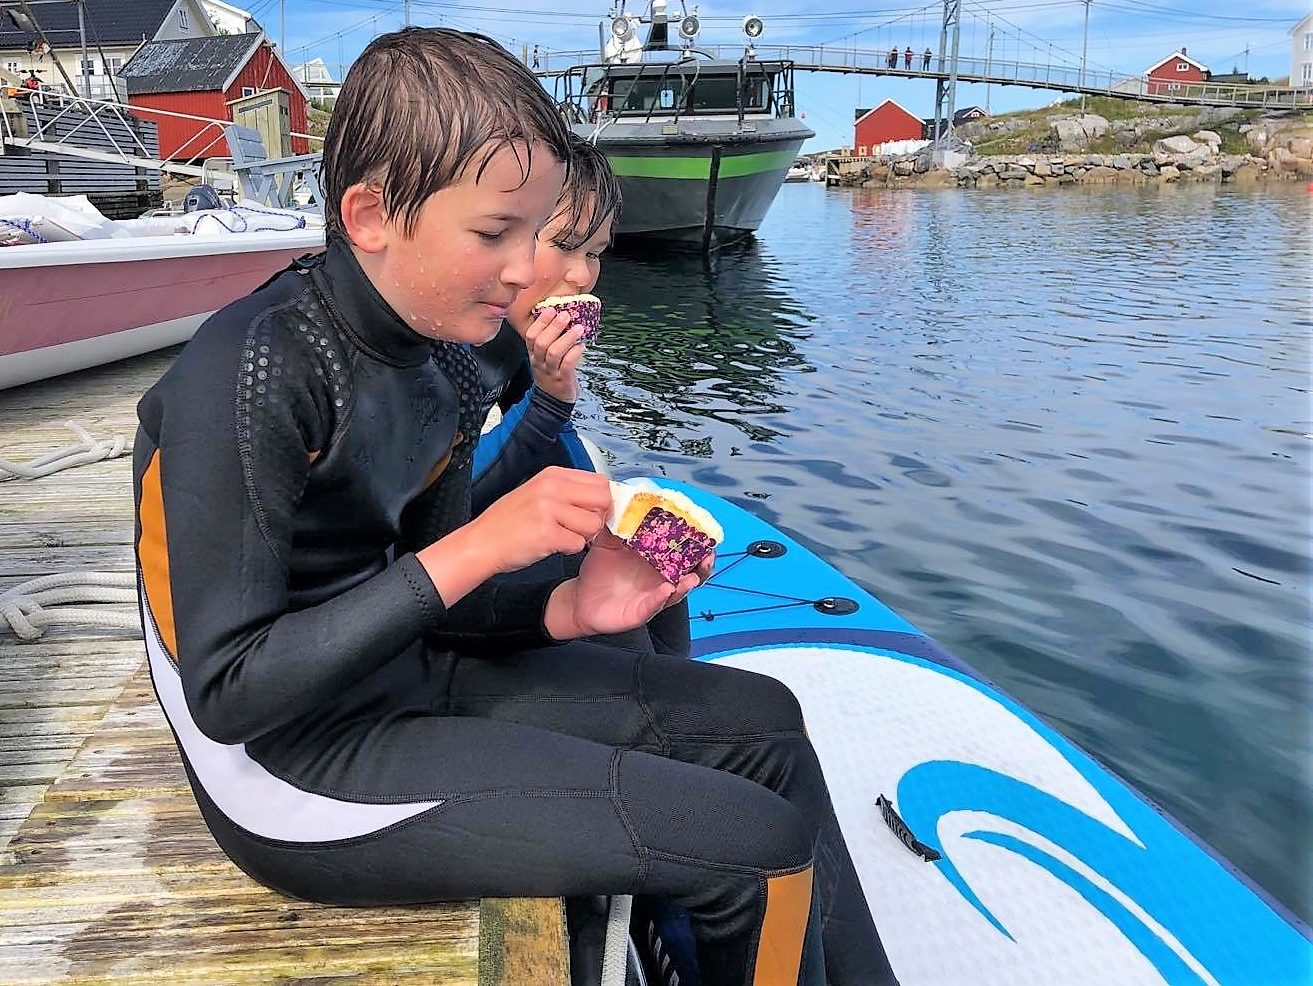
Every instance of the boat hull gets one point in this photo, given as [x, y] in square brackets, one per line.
[698, 191]
[68, 307]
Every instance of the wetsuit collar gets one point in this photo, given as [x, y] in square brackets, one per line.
[364, 313]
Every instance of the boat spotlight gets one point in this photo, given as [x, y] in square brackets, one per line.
[689, 27]
[622, 27]
[753, 26]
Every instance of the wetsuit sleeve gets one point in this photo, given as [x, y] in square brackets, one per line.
[495, 618]
[220, 467]
[518, 447]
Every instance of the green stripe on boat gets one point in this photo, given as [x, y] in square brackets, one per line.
[735, 166]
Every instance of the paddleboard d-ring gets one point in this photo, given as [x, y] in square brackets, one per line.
[837, 606]
[766, 549]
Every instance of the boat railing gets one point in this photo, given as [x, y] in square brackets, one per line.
[602, 92]
[113, 121]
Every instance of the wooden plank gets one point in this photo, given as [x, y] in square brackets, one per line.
[114, 878]
[522, 940]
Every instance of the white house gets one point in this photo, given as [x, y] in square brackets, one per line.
[119, 27]
[316, 71]
[1301, 53]
[228, 19]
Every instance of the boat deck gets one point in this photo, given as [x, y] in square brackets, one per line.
[107, 873]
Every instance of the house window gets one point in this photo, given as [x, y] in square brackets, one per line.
[248, 91]
[1173, 86]
[1308, 41]
[13, 68]
[112, 65]
[1182, 66]
[1307, 72]
[861, 151]
[182, 18]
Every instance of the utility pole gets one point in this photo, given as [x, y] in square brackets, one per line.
[1084, 49]
[989, 65]
[1247, 64]
[282, 28]
[86, 65]
[407, 13]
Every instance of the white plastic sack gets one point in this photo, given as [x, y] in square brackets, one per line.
[28, 218]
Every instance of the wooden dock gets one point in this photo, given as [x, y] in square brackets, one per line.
[107, 873]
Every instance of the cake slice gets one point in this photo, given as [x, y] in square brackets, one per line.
[583, 309]
[667, 529]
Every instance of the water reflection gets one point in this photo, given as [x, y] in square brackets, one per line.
[1064, 433]
[687, 339]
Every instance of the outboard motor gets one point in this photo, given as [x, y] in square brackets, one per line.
[201, 197]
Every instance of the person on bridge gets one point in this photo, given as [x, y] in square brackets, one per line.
[892, 60]
[908, 55]
[32, 82]
[925, 61]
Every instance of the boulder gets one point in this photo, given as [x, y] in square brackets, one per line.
[1031, 180]
[1169, 173]
[1301, 147]
[1179, 144]
[1207, 172]
[1073, 133]
[1099, 175]
[1043, 169]
[987, 180]
[1245, 174]
[1122, 162]
[1210, 137]
[903, 167]
[1016, 174]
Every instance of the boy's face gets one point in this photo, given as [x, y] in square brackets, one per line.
[557, 271]
[472, 252]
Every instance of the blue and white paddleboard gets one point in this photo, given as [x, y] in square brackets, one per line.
[1050, 871]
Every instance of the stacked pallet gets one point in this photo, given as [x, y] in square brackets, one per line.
[120, 191]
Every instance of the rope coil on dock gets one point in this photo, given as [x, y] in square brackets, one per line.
[23, 607]
[84, 452]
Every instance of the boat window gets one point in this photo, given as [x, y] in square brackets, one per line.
[717, 94]
[642, 95]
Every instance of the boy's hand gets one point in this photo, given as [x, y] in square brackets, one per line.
[616, 590]
[555, 348]
[557, 511]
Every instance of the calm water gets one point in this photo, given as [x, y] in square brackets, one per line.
[1066, 434]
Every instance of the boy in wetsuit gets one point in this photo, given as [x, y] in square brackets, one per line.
[364, 717]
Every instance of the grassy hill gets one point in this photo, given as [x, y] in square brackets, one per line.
[1135, 126]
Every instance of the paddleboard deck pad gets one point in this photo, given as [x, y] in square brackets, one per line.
[991, 849]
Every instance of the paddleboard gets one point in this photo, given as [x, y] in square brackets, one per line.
[991, 849]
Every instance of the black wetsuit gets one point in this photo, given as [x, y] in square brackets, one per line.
[352, 740]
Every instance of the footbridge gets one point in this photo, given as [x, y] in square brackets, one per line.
[1055, 75]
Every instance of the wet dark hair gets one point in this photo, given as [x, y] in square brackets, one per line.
[415, 110]
[590, 182]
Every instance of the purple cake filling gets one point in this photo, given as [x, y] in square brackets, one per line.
[670, 544]
[587, 314]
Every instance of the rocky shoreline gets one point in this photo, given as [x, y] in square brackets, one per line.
[1275, 154]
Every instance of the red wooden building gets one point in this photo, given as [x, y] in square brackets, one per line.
[886, 122]
[1177, 69]
[200, 77]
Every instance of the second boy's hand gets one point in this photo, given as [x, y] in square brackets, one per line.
[555, 347]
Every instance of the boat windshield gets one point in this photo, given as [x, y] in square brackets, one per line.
[715, 94]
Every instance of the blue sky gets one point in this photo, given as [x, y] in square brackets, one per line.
[1124, 35]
